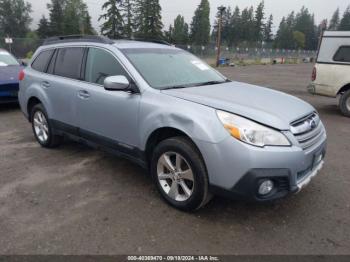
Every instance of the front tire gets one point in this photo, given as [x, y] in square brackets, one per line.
[180, 175]
[344, 103]
[42, 129]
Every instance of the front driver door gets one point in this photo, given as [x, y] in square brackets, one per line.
[107, 117]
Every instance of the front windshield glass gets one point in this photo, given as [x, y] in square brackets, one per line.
[6, 59]
[171, 68]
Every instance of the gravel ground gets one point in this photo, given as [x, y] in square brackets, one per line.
[74, 200]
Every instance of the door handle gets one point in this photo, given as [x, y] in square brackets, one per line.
[45, 84]
[83, 94]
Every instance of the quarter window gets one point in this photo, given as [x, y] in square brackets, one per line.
[69, 62]
[343, 54]
[101, 64]
[42, 60]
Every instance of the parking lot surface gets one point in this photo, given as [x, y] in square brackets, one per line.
[75, 200]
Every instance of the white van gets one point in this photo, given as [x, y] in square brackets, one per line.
[331, 74]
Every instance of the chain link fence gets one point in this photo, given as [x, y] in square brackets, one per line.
[250, 55]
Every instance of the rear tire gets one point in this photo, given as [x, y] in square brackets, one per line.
[344, 103]
[180, 175]
[42, 129]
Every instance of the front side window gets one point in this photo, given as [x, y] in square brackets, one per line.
[6, 59]
[69, 62]
[165, 68]
[42, 60]
[100, 64]
[343, 54]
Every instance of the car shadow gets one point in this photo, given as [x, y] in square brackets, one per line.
[9, 107]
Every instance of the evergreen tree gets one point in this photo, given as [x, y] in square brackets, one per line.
[247, 25]
[334, 23]
[127, 10]
[305, 23]
[56, 15]
[148, 19]
[43, 30]
[200, 26]
[76, 18]
[14, 18]
[345, 21]
[259, 22]
[113, 27]
[268, 30]
[235, 31]
[179, 33]
[285, 38]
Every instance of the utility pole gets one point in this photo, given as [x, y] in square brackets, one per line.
[218, 42]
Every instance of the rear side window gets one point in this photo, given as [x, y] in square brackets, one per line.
[69, 62]
[343, 54]
[101, 64]
[41, 62]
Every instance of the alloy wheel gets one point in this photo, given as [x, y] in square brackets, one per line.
[175, 176]
[41, 127]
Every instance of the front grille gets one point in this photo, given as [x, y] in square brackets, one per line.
[308, 131]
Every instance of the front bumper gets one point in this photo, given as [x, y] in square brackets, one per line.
[236, 169]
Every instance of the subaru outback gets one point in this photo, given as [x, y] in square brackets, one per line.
[198, 133]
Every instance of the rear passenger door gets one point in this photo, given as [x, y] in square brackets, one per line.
[107, 117]
[63, 86]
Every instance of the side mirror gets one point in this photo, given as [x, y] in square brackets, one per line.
[116, 83]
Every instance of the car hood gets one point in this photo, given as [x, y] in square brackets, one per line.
[263, 105]
[9, 74]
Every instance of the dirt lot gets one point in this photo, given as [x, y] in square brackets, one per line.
[74, 200]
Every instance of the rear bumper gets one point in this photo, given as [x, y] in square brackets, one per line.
[9, 93]
[321, 90]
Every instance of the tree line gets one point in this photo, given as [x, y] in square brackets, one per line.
[143, 19]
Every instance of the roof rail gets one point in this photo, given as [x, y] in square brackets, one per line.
[77, 38]
[156, 41]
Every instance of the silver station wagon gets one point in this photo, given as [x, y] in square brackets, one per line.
[198, 133]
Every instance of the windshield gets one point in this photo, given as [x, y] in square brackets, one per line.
[6, 59]
[171, 68]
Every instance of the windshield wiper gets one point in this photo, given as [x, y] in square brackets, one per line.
[213, 83]
[174, 87]
[199, 84]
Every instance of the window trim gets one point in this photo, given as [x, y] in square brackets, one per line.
[47, 63]
[87, 46]
[81, 64]
[116, 58]
[336, 53]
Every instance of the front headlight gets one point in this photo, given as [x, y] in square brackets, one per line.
[251, 132]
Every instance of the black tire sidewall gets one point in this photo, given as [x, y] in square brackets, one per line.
[187, 150]
[342, 104]
[36, 108]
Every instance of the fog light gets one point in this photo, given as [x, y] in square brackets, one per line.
[266, 187]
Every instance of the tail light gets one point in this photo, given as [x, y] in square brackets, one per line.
[21, 75]
[314, 74]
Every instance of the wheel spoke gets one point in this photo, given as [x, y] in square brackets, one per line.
[40, 116]
[178, 162]
[185, 188]
[166, 162]
[187, 175]
[36, 122]
[165, 176]
[174, 191]
[46, 129]
[44, 135]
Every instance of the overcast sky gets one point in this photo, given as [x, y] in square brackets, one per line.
[171, 8]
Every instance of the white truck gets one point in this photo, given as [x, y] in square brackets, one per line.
[331, 74]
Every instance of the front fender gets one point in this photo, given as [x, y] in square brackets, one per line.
[199, 122]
